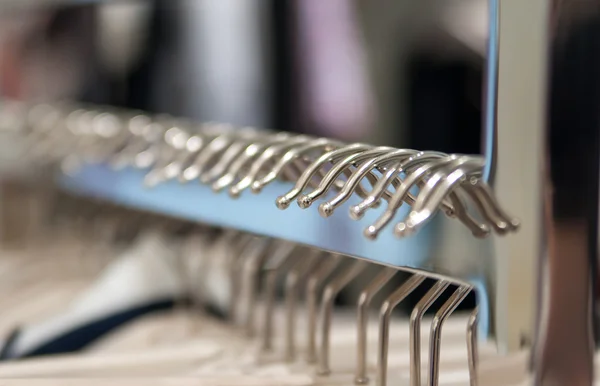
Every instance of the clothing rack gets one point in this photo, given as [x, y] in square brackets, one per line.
[230, 159]
[523, 124]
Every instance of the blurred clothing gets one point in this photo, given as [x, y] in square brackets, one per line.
[335, 97]
[377, 72]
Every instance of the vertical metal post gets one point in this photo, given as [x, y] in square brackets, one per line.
[548, 169]
[564, 349]
[521, 61]
[490, 95]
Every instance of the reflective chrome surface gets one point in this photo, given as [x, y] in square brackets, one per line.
[549, 94]
[564, 350]
[468, 259]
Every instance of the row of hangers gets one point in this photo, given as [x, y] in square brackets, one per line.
[247, 272]
[239, 159]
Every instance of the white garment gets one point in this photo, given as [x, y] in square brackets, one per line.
[141, 275]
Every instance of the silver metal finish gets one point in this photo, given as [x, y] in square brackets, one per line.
[399, 196]
[225, 160]
[217, 145]
[275, 265]
[263, 159]
[165, 168]
[329, 294]
[175, 166]
[293, 283]
[326, 209]
[436, 188]
[364, 300]
[284, 201]
[243, 159]
[415, 329]
[472, 353]
[547, 168]
[567, 324]
[435, 338]
[249, 252]
[315, 281]
[315, 166]
[228, 161]
[290, 156]
[241, 241]
[251, 271]
[514, 159]
[305, 201]
[488, 206]
[384, 324]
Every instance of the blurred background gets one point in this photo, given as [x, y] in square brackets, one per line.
[403, 73]
[400, 73]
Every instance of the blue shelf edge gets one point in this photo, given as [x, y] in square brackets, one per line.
[257, 213]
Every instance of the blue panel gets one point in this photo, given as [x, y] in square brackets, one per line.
[258, 214]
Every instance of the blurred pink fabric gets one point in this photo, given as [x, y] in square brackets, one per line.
[334, 89]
